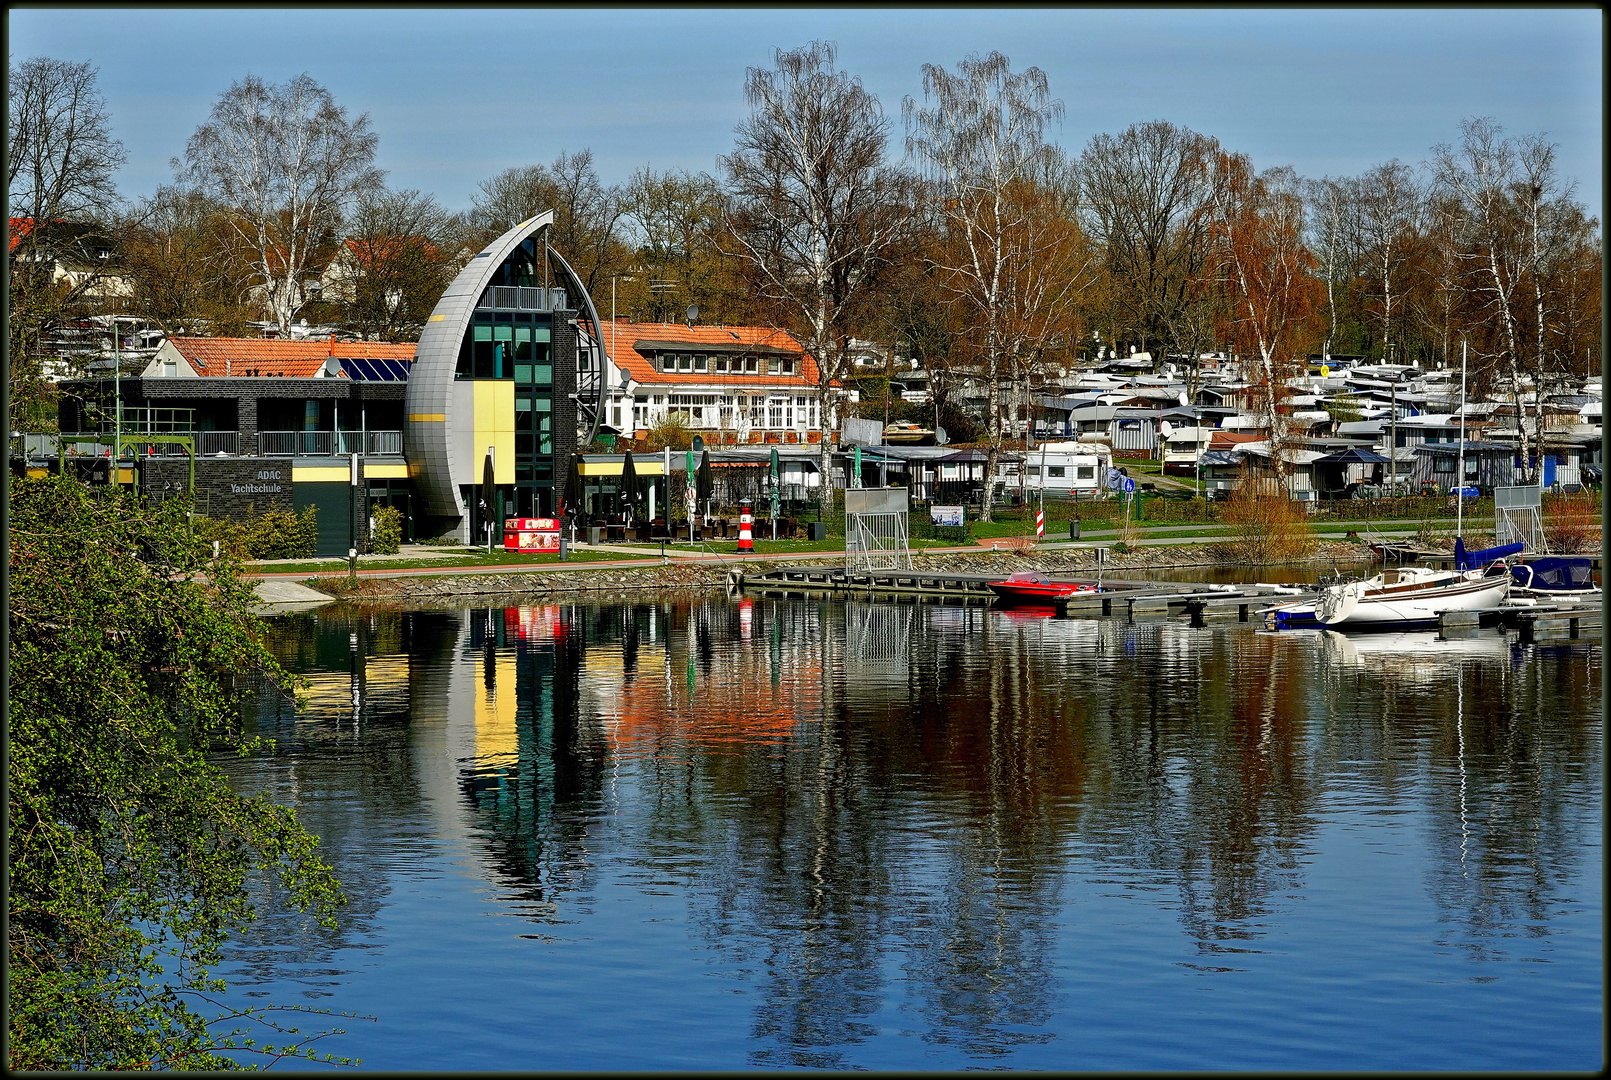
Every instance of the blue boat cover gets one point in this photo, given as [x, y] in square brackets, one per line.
[1476, 560]
[1556, 572]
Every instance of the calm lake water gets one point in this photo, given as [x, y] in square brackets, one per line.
[819, 834]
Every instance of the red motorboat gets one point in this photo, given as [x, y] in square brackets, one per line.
[1033, 587]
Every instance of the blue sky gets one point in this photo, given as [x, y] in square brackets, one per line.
[457, 96]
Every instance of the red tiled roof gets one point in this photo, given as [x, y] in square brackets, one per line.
[621, 339]
[17, 228]
[214, 357]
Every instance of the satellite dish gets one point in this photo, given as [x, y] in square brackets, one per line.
[693, 313]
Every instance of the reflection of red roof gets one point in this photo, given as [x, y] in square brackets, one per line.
[632, 346]
[213, 357]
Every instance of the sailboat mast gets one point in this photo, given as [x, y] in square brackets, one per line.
[1460, 469]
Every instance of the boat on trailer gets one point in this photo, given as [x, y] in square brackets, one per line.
[1033, 587]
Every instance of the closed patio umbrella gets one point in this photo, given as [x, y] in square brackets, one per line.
[629, 488]
[705, 484]
[573, 487]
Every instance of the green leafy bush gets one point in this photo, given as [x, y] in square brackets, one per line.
[273, 534]
[280, 534]
[386, 532]
[131, 858]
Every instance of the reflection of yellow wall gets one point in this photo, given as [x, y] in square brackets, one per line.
[495, 427]
[495, 711]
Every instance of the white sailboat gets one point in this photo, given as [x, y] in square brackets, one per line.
[1418, 595]
[1409, 596]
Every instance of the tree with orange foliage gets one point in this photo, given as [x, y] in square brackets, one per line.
[1269, 271]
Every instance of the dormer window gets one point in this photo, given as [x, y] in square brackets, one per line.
[786, 366]
[721, 365]
[699, 362]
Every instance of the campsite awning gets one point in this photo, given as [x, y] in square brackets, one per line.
[1352, 456]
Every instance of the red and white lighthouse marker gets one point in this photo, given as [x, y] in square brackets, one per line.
[745, 541]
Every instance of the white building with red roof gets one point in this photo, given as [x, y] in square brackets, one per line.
[733, 384]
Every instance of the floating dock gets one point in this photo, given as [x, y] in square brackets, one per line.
[1121, 598]
[1535, 623]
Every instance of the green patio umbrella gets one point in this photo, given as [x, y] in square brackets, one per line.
[776, 493]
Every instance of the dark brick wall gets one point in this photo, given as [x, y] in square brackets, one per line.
[225, 487]
[236, 488]
[563, 350]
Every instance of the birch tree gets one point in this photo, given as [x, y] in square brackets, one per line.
[287, 161]
[811, 206]
[1332, 240]
[1478, 177]
[1387, 209]
[1011, 258]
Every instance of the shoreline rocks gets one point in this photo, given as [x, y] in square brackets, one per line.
[705, 577]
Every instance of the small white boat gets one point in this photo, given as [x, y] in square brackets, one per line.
[1409, 596]
[908, 433]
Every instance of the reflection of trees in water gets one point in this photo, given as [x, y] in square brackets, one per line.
[851, 789]
[532, 807]
[346, 771]
[1502, 744]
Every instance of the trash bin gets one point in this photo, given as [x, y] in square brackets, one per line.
[817, 530]
[595, 534]
[1073, 530]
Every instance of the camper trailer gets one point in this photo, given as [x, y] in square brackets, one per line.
[1066, 468]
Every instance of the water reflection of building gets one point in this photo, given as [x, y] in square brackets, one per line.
[709, 673]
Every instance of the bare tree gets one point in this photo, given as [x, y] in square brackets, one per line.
[812, 209]
[1332, 240]
[396, 260]
[1146, 198]
[1478, 176]
[673, 219]
[287, 161]
[1386, 219]
[60, 154]
[60, 159]
[185, 263]
[1011, 253]
[586, 213]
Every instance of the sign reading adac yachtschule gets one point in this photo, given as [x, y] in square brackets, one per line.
[237, 487]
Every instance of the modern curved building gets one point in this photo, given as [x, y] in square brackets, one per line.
[498, 372]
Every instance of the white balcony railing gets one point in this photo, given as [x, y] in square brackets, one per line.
[328, 443]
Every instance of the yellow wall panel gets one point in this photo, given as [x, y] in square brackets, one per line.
[495, 427]
[320, 474]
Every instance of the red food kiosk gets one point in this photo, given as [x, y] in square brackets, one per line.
[531, 534]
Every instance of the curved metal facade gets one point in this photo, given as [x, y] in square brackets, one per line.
[439, 416]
